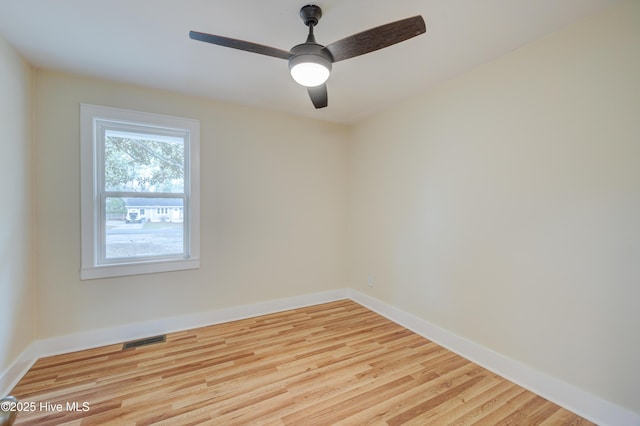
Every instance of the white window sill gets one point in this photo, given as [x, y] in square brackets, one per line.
[119, 270]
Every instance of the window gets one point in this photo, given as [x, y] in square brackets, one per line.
[139, 192]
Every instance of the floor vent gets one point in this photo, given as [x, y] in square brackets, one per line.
[144, 342]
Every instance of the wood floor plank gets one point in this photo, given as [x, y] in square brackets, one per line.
[511, 406]
[453, 408]
[484, 403]
[335, 363]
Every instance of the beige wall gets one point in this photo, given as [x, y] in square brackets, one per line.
[273, 209]
[504, 205]
[16, 295]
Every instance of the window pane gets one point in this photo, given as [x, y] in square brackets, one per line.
[144, 227]
[143, 163]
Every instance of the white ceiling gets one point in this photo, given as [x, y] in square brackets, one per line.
[146, 42]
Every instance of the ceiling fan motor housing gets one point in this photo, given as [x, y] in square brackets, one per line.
[310, 53]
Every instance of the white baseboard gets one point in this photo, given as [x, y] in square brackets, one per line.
[108, 336]
[566, 395]
[114, 335]
[584, 404]
[12, 375]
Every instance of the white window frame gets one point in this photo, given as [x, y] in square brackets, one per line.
[92, 117]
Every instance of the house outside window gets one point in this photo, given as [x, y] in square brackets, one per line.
[139, 192]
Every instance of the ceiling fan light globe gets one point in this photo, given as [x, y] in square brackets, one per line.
[310, 74]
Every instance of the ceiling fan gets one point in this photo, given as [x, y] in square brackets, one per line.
[310, 62]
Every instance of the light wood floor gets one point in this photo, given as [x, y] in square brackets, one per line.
[336, 363]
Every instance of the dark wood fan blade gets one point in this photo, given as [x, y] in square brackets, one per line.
[376, 38]
[318, 96]
[239, 44]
